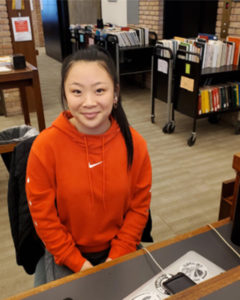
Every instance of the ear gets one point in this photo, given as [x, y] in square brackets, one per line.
[117, 91]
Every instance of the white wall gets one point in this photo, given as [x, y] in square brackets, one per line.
[115, 12]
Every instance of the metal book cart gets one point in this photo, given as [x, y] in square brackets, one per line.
[162, 83]
[131, 59]
[189, 77]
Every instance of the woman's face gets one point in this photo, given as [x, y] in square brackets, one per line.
[89, 92]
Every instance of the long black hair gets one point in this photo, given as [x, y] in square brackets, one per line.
[98, 54]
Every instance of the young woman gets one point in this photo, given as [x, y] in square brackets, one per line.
[89, 175]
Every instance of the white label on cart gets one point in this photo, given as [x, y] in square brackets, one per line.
[187, 83]
[162, 66]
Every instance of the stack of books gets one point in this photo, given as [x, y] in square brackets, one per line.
[129, 36]
[218, 97]
[214, 53]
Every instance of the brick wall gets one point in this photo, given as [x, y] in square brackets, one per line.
[234, 24]
[151, 15]
[5, 37]
[37, 24]
[12, 102]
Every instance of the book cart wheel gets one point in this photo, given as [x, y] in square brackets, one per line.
[169, 128]
[191, 141]
[152, 119]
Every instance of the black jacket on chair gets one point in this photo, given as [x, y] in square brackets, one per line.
[28, 246]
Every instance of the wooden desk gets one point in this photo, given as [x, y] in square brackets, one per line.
[22, 79]
[230, 190]
[195, 292]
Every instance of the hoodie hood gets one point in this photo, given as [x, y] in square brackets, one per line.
[94, 142]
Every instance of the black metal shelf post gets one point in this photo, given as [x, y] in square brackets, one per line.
[162, 83]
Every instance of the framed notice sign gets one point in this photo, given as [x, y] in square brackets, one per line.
[21, 29]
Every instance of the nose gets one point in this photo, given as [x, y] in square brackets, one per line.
[89, 99]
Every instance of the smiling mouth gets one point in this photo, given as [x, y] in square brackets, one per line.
[91, 115]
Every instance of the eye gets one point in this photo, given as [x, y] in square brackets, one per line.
[76, 91]
[100, 91]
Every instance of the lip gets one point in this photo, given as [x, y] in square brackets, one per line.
[90, 115]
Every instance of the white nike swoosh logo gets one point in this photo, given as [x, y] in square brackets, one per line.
[94, 165]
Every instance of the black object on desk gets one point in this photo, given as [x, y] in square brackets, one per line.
[19, 61]
[178, 283]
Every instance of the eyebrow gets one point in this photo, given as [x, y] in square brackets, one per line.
[81, 85]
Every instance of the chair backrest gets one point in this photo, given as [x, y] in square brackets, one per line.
[28, 246]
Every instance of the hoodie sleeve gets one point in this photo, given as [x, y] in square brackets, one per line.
[129, 236]
[40, 190]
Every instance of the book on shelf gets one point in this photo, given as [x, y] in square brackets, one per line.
[199, 103]
[234, 92]
[142, 34]
[238, 93]
[223, 55]
[215, 98]
[217, 52]
[132, 35]
[214, 53]
[236, 40]
[208, 36]
[218, 97]
[171, 44]
[230, 52]
[179, 38]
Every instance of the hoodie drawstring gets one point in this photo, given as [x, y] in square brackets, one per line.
[90, 177]
[103, 169]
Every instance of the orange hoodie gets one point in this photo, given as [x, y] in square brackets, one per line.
[99, 203]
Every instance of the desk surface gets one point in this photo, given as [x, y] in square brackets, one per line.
[13, 75]
[120, 277]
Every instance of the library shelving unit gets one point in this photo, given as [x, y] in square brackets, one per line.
[189, 77]
[131, 59]
[162, 83]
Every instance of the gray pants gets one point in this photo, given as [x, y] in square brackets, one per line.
[47, 270]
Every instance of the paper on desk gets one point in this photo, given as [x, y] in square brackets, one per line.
[4, 69]
[194, 265]
[5, 59]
